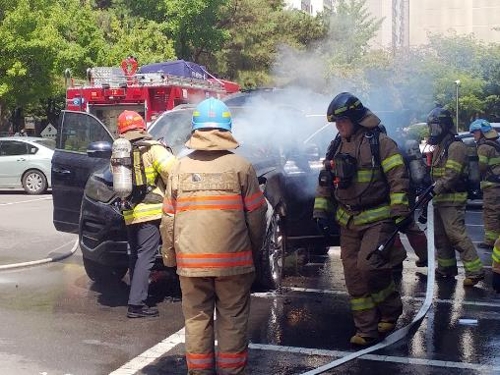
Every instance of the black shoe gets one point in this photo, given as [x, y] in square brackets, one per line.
[483, 245]
[142, 312]
[397, 268]
[421, 263]
[448, 274]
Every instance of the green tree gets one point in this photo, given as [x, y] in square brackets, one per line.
[259, 31]
[195, 26]
[29, 51]
[151, 10]
[351, 27]
[124, 36]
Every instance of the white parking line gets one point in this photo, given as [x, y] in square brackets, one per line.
[163, 347]
[150, 355]
[26, 201]
[380, 358]
[405, 298]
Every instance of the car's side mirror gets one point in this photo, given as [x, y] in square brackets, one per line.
[99, 149]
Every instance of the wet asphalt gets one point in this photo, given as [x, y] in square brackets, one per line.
[308, 324]
[80, 329]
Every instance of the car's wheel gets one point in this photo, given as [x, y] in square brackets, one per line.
[269, 267]
[101, 273]
[34, 182]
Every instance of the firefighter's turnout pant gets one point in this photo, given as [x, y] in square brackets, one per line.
[450, 235]
[144, 240]
[373, 294]
[491, 214]
[495, 256]
[229, 297]
[417, 239]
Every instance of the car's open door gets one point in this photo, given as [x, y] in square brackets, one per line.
[72, 165]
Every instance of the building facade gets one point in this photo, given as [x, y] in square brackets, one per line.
[480, 17]
[312, 7]
[409, 22]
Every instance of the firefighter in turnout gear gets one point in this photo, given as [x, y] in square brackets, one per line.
[419, 178]
[212, 228]
[488, 151]
[449, 171]
[364, 185]
[143, 211]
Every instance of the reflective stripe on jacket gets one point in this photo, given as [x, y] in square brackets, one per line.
[214, 214]
[449, 171]
[376, 192]
[489, 163]
[158, 162]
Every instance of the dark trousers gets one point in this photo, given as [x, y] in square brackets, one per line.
[144, 240]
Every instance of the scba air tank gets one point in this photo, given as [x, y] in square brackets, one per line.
[474, 178]
[121, 167]
[416, 163]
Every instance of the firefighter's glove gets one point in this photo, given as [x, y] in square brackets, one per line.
[426, 195]
[403, 222]
[422, 218]
[323, 225]
[495, 282]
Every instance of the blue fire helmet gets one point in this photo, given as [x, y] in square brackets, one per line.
[211, 113]
[480, 124]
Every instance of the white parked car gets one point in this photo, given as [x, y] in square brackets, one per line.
[25, 163]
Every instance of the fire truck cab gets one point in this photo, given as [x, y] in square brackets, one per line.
[149, 90]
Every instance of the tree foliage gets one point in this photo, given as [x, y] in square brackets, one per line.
[195, 27]
[255, 42]
[29, 50]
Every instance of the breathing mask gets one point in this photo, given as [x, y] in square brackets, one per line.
[436, 133]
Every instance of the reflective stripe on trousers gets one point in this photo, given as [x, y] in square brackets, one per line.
[229, 297]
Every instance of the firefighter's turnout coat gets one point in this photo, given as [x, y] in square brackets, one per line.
[214, 209]
[449, 169]
[366, 211]
[489, 170]
[213, 225]
[143, 218]
[158, 162]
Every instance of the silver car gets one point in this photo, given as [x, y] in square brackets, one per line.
[25, 163]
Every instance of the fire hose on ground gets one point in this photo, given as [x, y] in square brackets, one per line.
[404, 331]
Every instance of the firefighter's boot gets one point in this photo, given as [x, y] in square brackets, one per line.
[385, 327]
[473, 280]
[359, 340]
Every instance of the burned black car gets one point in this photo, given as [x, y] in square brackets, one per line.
[283, 144]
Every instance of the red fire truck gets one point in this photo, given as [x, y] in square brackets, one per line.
[149, 89]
